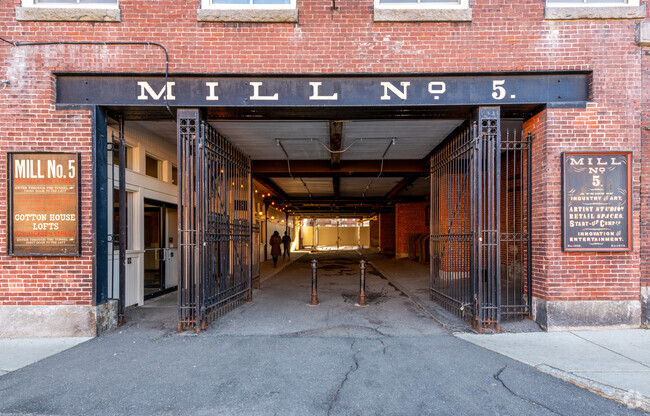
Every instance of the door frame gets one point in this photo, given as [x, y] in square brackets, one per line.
[162, 206]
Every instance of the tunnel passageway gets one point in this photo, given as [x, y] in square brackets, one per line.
[281, 307]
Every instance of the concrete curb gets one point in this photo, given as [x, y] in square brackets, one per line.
[630, 398]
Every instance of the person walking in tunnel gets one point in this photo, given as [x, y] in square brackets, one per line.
[286, 242]
[275, 242]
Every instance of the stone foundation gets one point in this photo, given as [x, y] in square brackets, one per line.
[57, 320]
[645, 306]
[563, 315]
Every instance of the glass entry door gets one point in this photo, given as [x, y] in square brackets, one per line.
[154, 270]
[160, 248]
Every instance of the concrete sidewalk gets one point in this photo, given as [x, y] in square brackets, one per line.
[21, 352]
[613, 363]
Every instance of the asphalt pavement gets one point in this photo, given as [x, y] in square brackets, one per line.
[279, 356]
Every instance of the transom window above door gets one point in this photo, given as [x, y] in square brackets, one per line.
[421, 4]
[248, 4]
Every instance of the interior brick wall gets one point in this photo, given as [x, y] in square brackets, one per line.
[410, 218]
[504, 35]
[387, 232]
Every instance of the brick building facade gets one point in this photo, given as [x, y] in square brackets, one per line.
[610, 44]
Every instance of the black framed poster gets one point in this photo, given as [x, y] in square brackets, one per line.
[43, 204]
[596, 201]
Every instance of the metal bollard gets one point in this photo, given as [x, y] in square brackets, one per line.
[314, 283]
[362, 284]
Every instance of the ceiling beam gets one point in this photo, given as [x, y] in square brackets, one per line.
[336, 183]
[336, 139]
[352, 168]
[274, 187]
[403, 184]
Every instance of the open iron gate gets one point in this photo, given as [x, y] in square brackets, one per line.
[480, 222]
[215, 219]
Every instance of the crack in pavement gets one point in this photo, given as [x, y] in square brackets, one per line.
[354, 367]
[497, 377]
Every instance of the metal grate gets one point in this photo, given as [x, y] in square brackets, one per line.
[215, 227]
[480, 217]
[515, 225]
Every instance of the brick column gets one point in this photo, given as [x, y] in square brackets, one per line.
[579, 289]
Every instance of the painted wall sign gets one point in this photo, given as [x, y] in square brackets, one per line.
[347, 91]
[43, 204]
[597, 201]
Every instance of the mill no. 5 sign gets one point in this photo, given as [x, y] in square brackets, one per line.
[43, 204]
[597, 196]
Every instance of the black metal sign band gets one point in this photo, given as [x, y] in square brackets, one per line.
[597, 197]
[565, 89]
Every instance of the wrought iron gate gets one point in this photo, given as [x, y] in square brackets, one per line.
[215, 220]
[480, 222]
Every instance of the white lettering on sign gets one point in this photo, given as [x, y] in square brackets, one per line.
[211, 96]
[146, 91]
[256, 93]
[399, 93]
[20, 170]
[315, 96]
[33, 169]
[437, 88]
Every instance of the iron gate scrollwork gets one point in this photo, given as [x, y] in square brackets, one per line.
[480, 222]
[216, 261]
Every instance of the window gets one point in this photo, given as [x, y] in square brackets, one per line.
[593, 9]
[71, 3]
[174, 175]
[152, 167]
[104, 11]
[249, 4]
[582, 3]
[421, 4]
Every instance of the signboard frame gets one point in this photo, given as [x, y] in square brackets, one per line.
[11, 208]
[629, 201]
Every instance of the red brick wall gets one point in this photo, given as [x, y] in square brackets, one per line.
[409, 219]
[645, 157]
[577, 276]
[504, 36]
[387, 233]
[374, 233]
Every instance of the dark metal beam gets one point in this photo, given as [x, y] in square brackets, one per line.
[336, 183]
[401, 186]
[347, 200]
[273, 186]
[336, 138]
[352, 168]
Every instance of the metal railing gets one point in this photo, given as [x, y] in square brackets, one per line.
[480, 222]
[215, 223]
